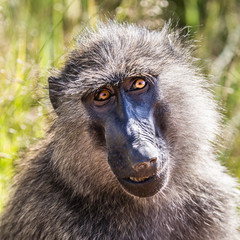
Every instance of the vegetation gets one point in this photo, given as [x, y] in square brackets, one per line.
[33, 37]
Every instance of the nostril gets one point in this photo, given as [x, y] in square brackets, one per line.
[141, 166]
[153, 161]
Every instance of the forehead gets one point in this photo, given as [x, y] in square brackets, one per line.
[117, 45]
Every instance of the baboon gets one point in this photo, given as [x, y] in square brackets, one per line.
[132, 152]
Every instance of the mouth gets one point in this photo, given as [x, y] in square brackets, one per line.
[144, 186]
[139, 180]
[145, 183]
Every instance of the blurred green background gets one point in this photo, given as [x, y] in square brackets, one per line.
[35, 34]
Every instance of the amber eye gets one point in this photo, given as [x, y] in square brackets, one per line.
[102, 95]
[138, 84]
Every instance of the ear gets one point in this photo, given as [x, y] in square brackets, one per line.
[55, 91]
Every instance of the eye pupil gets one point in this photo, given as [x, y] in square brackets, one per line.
[103, 95]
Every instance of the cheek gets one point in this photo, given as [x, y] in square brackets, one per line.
[97, 133]
[83, 164]
[161, 115]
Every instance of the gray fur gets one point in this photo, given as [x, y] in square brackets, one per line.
[67, 190]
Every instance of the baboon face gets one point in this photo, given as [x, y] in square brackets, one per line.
[125, 113]
[139, 100]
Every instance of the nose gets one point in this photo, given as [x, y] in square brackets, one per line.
[143, 158]
[146, 165]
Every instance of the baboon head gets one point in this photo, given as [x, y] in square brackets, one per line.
[129, 98]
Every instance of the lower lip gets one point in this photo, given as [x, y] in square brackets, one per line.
[146, 188]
